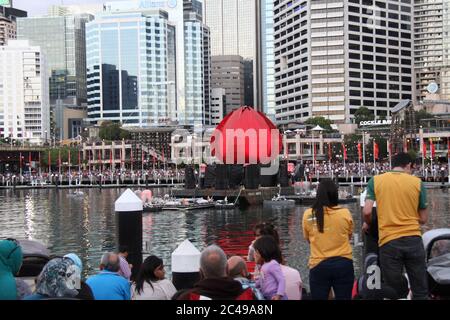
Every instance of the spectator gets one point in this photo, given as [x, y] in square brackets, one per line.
[237, 269]
[328, 228]
[125, 267]
[271, 281]
[150, 283]
[85, 292]
[402, 207]
[10, 263]
[370, 233]
[262, 229]
[294, 284]
[60, 279]
[215, 284]
[108, 284]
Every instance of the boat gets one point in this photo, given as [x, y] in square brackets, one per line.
[279, 201]
[187, 204]
[224, 204]
[152, 207]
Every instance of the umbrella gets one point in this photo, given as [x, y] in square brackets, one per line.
[246, 136]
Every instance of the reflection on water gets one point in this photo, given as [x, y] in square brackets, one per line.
[86, 225]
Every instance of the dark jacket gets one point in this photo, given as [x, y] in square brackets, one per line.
[217, 289]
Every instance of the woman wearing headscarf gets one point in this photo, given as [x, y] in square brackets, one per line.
[60, 279]
[10, 262]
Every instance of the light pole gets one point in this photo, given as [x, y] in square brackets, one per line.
[318, 129]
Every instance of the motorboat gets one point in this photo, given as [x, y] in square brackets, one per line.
[279, 201]
[224, 204]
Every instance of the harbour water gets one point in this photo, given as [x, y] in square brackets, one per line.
[86, 225]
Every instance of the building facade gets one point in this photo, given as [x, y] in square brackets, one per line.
[130, 68]
[235, 31]
[198, 70]
[63, 41]
[332, 57]
[428, 44]
[218, 105]
[8, 28]
[227, 72]
[24, 93]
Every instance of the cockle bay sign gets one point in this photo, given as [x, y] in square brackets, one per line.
[375, 123]
[140, 4]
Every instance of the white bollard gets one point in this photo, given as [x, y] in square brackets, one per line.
[185, 266]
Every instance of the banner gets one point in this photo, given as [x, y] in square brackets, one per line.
[345, 151]
[433, 151]
[329, 151]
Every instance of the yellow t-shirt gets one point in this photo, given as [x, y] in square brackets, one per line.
[399, 196]
[335, 239]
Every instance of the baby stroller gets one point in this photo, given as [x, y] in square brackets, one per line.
[35, 257]
[437, 248]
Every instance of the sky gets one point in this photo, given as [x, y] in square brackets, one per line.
[40, 7]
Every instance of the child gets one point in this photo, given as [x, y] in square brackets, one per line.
[271, 281]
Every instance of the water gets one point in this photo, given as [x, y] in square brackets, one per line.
[86, 226]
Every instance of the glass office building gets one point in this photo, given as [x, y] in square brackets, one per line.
[131, 68]
[197, 71]
[267, 58]
[62, 40]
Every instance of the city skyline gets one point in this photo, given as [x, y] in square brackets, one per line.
[37, 8]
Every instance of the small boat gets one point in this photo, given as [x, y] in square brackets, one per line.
[279, 201]
[188, 204]
[224, 204]
[152, 207]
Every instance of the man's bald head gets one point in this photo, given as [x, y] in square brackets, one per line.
[237, 267]
[213, 262]
[110, 262]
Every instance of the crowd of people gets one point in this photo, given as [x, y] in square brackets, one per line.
[95, 176]
[393, 209]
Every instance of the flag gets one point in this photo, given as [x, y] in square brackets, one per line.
[329, 151]
[131, 155]
[359, 151]
[99, 156]
[376, 151]
[424, 149]
[143, 156]
[448, 148]
[111, 157]
[29, 159]
[79, 158]
[433, 151]
[49, 159]
[20, 160]
[345, 151]
[162, 155]
[68, 157]
[39, 159]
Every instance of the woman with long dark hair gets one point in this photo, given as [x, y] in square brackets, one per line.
[151, 283]
[328, 228]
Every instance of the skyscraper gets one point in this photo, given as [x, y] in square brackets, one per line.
[228, 73]
[63, 41]
[431, 46]
[130, 68]
[234, 31]
[24, 99]
[332, 57]
[8, 18]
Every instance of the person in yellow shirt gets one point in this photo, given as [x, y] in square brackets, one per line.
[328, 228]
[402, 207]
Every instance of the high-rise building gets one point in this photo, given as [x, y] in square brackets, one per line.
[193, 6]
[227, 72]
[63, 41]
[8, 28]
[334, 56]
[67, 10]
[234, 31]
[131, 68]
[266, 59]
[197, 69]
[432, 48]
[24, 98]
[175, 17]
[173, 84]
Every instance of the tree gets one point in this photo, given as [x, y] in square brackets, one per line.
[363, 114]
[111, 131]
[320, 121]
[421, 115]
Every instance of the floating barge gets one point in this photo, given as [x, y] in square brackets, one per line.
[249, 197]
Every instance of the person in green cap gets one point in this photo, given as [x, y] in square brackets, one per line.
[11, 258]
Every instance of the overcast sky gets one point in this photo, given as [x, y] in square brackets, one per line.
[40, 7]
